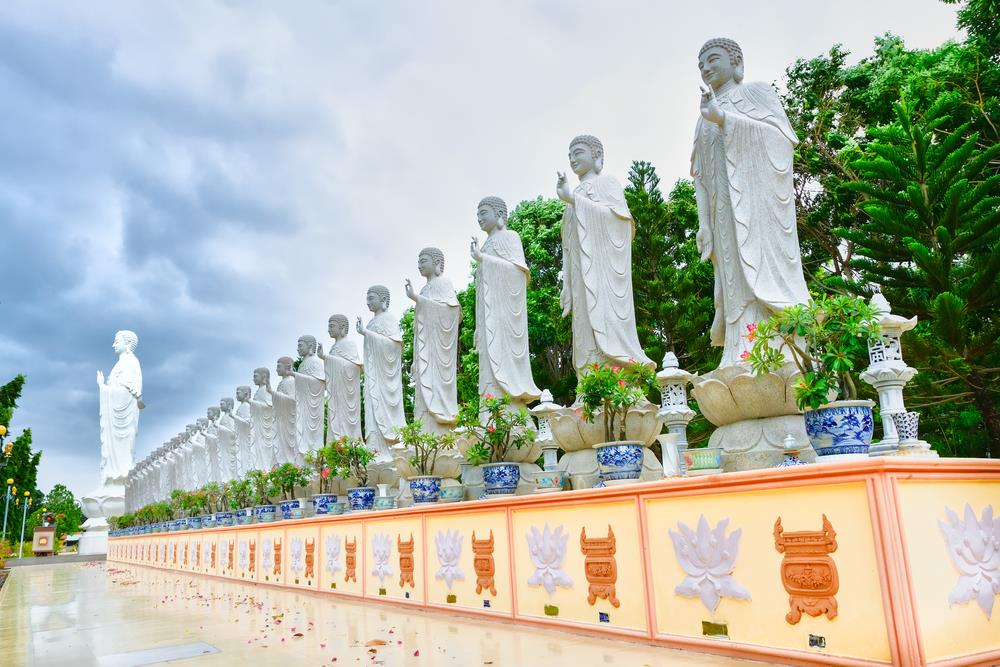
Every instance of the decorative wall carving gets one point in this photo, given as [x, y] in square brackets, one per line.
[600, 566]
[483, 562]
[449, 550]
[381, 550]
[708, 557]
[974, 548]
[547, 549]
[351, 560]
[807, 571]
[405, 561]
[332, 545]
[310, 558]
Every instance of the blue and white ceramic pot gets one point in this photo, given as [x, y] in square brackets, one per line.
[425, 488]
[501, 479]
[288, 509]
[361, 498]
[194, 523]
[451, 494]
[621, 460]
[322, 502]
[265, 513]
[245, 516]
[907, 426]
[841, 429]
[208, 521]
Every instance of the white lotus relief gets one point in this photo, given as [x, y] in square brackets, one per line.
[974, 547]
[295, 561]
[708, 557]
[381, 551]
[267, 555]
[332, 564]
[244, 555]
[206, 553]
[449, 549]
[548, 549]
[224, 556]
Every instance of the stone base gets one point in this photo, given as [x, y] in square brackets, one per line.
[752, 444]
[95, 537]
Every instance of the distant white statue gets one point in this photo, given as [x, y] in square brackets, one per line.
[187, 452]
[343, 382]
[245, 455]
[213, 451]
[310, 393]
[284, 413]
[264, 432]
[501, 308]
[742, 168]
[121, 400]
[597, 232]
[383, 375]
[201, 468]
[228, 450]
[436, 318]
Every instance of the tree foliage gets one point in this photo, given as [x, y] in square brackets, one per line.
[22, 466]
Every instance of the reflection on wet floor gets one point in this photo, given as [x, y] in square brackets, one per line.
[90, 614]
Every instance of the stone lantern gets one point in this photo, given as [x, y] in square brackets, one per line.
[542, 412]
[674, 409]
[889, 374]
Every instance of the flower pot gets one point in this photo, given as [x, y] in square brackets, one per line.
[361, 498]
[291, 509]
[322, 502]
[703, 460]
[208, 521]
[501, 479]
[843, 429]
[907, 424]
[335, 508]
[195, 523]
[265, 513]
[425, 488]
[384, 503]
[619, 460]
[548, 481]
[451, 494]
[223, 519]
[245, 516]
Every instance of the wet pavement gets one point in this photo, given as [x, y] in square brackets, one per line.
[113, 615]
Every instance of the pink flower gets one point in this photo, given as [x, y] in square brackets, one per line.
[621, 383]
[325, 473]
[751, 332]
[595, 365]
[491, 429]
[616, 368]
[488, 396]
[744, 355]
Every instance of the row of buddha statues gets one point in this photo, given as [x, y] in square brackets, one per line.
[742, 170]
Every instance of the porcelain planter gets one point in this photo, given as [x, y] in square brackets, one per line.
[451, 494]
[223, 519]
[245, 516]
[907, 426]
[322, 502]
[265, 513]
[208, 521]
[194, 523]
[548, 481]
[842, 429]
[425, 488]
[500, 479]
[620, 460]
[291, 509]
[703, 460]
[335, 508]
[361, 498]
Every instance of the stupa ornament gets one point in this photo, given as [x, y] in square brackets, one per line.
[597, 232]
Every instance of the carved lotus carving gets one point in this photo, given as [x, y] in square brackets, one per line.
[381, 551]
[573, 433]
[332, 564]
[708, 557]
[974, 548]
[449, 550]
[734, 393]
[296, 562]
[548, 550]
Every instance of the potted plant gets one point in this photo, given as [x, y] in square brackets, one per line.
[239, 499]
[828, 340]
[425, 486]
[262, 490]
[194, 503]
[350, 457]
[498, 431]
[610, 392]
[319, 462]
[286, 477]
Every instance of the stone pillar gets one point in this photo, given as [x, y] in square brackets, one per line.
[674, 408]
[542, 412]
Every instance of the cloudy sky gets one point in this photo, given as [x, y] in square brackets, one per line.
[220, 177]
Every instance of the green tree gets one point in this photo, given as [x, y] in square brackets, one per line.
[22, 464]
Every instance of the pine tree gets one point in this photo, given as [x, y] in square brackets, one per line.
[22, 465]
[932, 241]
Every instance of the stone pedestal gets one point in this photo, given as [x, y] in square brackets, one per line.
[95, 537]
[754, 414]
[105, 501]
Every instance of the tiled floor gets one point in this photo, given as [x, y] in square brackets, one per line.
[88, 614]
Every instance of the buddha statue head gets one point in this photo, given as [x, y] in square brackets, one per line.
[243, 393]
[338, 326]
[202, 423]
[226, 404]
[125, 341]
[213, 413]
[284, 366]
[378, 299]
[430, 262]
[190, 430]
[720, 61]
[491, 214]
[586, 154]
[306, 345]
[262, 377]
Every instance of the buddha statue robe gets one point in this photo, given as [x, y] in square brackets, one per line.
[119, 415]
[436, 319]
[213, 453]
[310, 392]
[284, 421]
[246, 458]
[343, 367]
[383, 351]
[265, 432]
[597, 232]
[501, 336]
[746, 212]
[228, 452]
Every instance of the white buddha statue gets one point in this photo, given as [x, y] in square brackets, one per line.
[215, 458]
[201, 462]
[436, 318]
[343, 369]
[264, 430]
[188, 460]
[742, 169]
[383, 351]
[310, 393]
[597, 232]
[501, 308]
[242, 419]
[284, 413]
[120, 402]
[229, 466]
